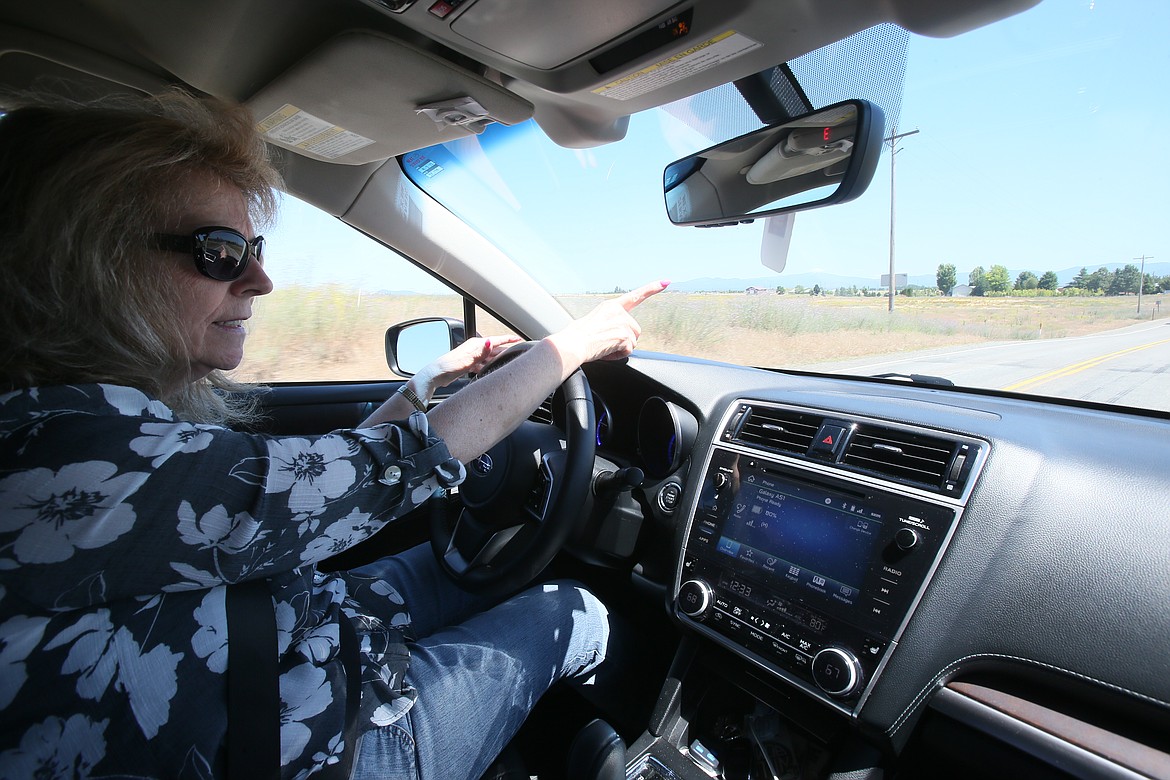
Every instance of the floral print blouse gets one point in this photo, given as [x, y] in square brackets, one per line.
[120, 528]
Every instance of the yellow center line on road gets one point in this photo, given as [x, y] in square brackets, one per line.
[1078, 367]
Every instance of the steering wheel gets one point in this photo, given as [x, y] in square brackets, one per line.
[521, 499]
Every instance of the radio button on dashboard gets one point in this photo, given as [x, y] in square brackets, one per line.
[906, 538]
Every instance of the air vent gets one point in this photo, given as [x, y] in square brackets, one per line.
[782, 430]
[543, 413]
[900, 455]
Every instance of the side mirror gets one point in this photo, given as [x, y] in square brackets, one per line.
[824, 157]
[412, 344]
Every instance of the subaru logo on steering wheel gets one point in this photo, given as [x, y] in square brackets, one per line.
[482, 466]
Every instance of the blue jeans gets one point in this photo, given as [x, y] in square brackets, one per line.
[477, 673]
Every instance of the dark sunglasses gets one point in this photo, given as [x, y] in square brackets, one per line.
[220, 253]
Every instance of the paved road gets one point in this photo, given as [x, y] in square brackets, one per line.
[1129, 366]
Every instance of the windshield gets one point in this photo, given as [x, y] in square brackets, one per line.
[1027, 198]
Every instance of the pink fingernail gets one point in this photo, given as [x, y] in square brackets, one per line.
[664, 282]
[487, 343]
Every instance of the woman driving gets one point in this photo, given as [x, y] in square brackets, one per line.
[131, 509]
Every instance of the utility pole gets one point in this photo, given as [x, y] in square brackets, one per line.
[893, 142]
[1142, 280]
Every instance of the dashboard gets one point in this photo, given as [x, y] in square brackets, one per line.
[802, 554]
[874, 546]
[1029, 543]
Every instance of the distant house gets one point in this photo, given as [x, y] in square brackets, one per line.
[961, 291]
[758, 290]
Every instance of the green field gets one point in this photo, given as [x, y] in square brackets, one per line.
[331, 333]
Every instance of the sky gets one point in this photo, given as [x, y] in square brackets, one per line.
[1041, 146]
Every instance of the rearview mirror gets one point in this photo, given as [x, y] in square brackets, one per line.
[824, 157]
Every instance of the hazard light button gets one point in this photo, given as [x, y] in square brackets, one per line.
[828, 442]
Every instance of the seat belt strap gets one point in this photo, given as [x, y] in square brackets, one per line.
[253, 738]
[253, 680]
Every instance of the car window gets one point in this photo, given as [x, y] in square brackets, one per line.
[335, 291]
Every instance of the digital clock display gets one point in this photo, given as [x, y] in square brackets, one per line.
[735, 586]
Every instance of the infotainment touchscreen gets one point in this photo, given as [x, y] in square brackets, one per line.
[807, 571]
[811, 536]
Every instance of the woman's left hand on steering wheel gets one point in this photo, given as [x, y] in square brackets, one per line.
[471, 357]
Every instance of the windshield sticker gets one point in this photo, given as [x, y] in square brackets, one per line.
[685, 64]
[423, 165]
[293, 127]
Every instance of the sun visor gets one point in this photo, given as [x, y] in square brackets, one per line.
[364, 96]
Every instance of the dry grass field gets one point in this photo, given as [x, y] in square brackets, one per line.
[795, 331]
[332, 334]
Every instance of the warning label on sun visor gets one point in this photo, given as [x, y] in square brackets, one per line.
[696, 59]
[290, 126]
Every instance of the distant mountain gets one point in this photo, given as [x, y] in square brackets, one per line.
[829, 281]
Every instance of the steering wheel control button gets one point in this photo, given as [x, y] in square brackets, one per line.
[694, 598]
[906, 538]
[836, 671]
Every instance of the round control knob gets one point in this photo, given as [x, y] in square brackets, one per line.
[836, 671]
[694, 598]
[906, 538]
[721, 480]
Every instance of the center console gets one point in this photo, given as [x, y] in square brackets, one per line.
[808, 559]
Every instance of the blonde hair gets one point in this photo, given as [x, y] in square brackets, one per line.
[83, 188]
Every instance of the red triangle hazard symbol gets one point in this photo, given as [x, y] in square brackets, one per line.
[828, 440]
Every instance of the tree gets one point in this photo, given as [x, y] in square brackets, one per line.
[1124, 281]
[780, 290]
[1026, 281]
[997, 279]
[977, 280]
[1049, 281]
[945, 278]
[1098, 281]
[816, 290]
[1081, 280]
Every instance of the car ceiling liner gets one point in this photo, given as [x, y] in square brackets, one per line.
[397, 98]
